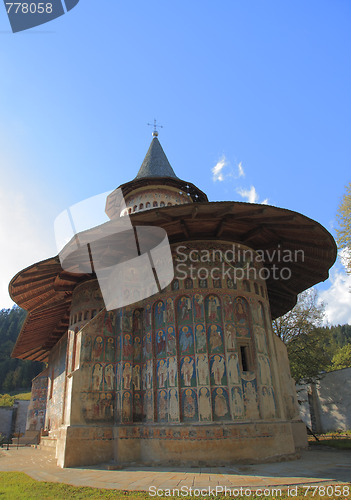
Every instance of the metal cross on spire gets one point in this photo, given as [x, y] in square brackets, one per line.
[155, 132]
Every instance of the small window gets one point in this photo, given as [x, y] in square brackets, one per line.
[155, 204]
[148, 204]
[246, 286]
[188, 283]
[217, 283]
[141, 206]
[130, 210]
[80, 316]
[169, 204]
[256, 288]
[245, 359]
[162, 204]
[231, 283]
[93, 313]
[203, 283]
[175, 285]
[86, 315]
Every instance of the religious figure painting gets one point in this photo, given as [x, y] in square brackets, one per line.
[137, 348]
[147, 346]
[161, 373]
[98, 348]
[173, 405]
[264, 370]
[87, 348]
[136, 377]
[215, 339]
[241, 316]
[97, 376]
[147, 315]
[267, 406]
[202, 370]
[228, 308]
[160, 343]
[137, 407]
[171, 342]
[162, 406]
[187, 371]
[127, 346]
[127, 407]
[127, 319]
[233, 369]
[205, 410]
[109, 323]
[172, 371]
[159, 314]
[137, 322]
[185, 315]
[186, 340]
[127, 375]
[169, 311]
[110, 350]
[250, 399]
[198, 307]
[109, 377]
[230, 336]
[218, 371]
[237, 403]
[220, 404]
[149, 406]
[200, 335]
[212, 306]
[189, 405]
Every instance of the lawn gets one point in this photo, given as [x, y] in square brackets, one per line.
[15, 485]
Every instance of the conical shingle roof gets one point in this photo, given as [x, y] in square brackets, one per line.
[155, 163]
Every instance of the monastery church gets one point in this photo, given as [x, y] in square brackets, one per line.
[189, 373]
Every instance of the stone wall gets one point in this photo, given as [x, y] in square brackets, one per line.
[6, 415]
[326, 405]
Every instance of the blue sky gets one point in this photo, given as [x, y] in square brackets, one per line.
[262, 84]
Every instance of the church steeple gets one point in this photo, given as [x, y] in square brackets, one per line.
[155, 163]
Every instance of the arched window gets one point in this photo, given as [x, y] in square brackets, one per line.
[86, 315]
[141, 206]
[135, 208]
[256, 288]
[188, 283]
[130, 210]
[148, 204]
[246, 285]
[155, 204]
[175, 285]
[162, 204]
[169, 204]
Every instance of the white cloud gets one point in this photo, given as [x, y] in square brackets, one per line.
[218, 168]
[218, 173]
[241, 170]
[25, 239]
[337, 298]
[251, 195]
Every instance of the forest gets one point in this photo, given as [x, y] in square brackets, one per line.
[15, 375]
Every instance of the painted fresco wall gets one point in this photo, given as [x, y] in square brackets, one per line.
[37, 405]
[177, 357]
[56, 385]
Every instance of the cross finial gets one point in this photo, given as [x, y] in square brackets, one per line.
[155, 133]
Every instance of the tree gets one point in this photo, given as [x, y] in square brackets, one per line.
[342, 358]
[300, 329]
[344, 230]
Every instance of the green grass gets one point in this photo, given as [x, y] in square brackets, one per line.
[24, 396]
[17, 485]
